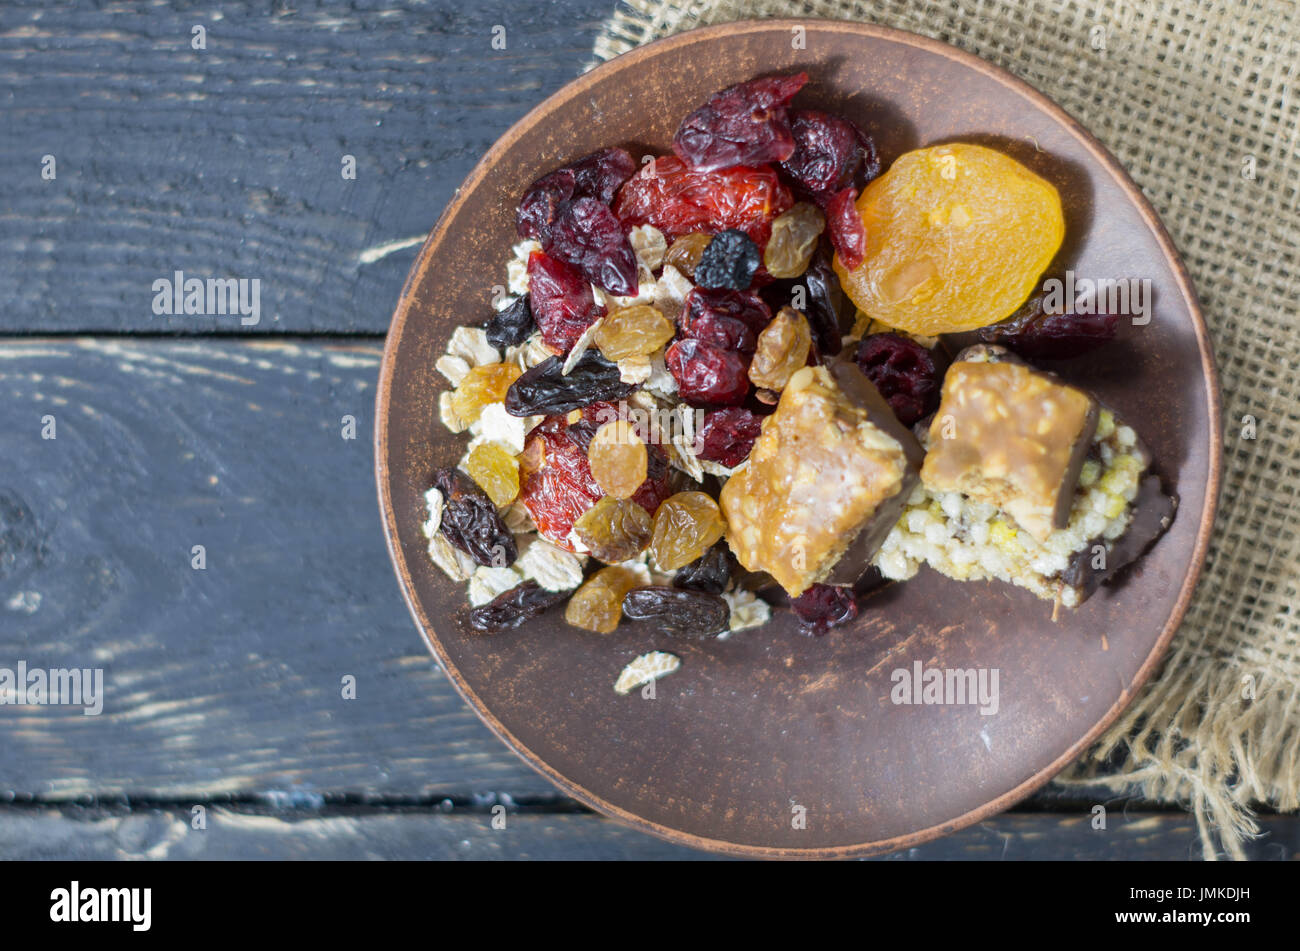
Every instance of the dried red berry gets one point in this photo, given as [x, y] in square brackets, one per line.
[745, 124]
[707, 375]
[903, 371]
[830, 154]
[597, 176]
[845, 227]
[727, 435]
[1040, 336]
[729, 319]
[824, 606]
[680, 200]
[586, 234]
[730, 260]
[561, 300]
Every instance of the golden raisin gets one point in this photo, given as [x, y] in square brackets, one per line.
[793, 241]
[685, 526]
[618, 459]
[614, 530]
[957, 237]
[685, 253]
[495, 471]
[782, 349]
[483, 385]
[632, 332]
[598, 604]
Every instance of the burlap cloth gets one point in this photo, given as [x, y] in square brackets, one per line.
[1198, 102]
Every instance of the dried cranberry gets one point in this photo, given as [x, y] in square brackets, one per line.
[845, 227]
[597, 176]
[903, 371]
[1041, 336]
[745, 124]
[824, 606]
[716, 309]
[680, 200]
[729, 333]
[730, 260]
[555, 484]
[512, 326]
[707, 375]
[830, 154]
[727, 435]
[561, 299]
[586, 234]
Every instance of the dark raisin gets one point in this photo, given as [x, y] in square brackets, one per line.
[545, 390]
[586, 234]
[561, 300]
[678, 611]
[817, 294]
[710, 572]
[707, 375]
[745, 124]
[512, 608]
[470, 520]
[903, 371]
[727, 435]
[1037, 335]
[844, 225]
[598, 175]
[824, 606]
[730, 260]
[512, 326]
[830, 154]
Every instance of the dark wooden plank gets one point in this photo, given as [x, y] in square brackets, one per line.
[230, 834]
[224, 680]
[227, 161]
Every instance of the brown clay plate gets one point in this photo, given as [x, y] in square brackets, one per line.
[769, 726]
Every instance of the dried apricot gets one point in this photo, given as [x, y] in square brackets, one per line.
[598, 604]
[483, 384]
[957, 236]
[633, 332]
[495, 471]
[618, 459]
[685, 526]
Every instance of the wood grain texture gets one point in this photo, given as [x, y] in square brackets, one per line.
[232, 834]
[225, 680]
[227, 161]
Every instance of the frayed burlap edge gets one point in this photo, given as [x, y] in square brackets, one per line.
[1217, 730]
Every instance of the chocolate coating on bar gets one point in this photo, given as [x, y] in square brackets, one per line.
[1012, 436]
[1153, 513]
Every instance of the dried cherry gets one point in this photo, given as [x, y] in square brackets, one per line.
[586, 234]
[903, 371]
[512, 608]
[830, 154]
[682, 612]
[727, 435]
[824, 606]
[744, 124]
[679, 200]
[844, 225]
[561, 300]
[1032, 333]
[597, 176]
[545, 389]
[470, 520]
[708, 375]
